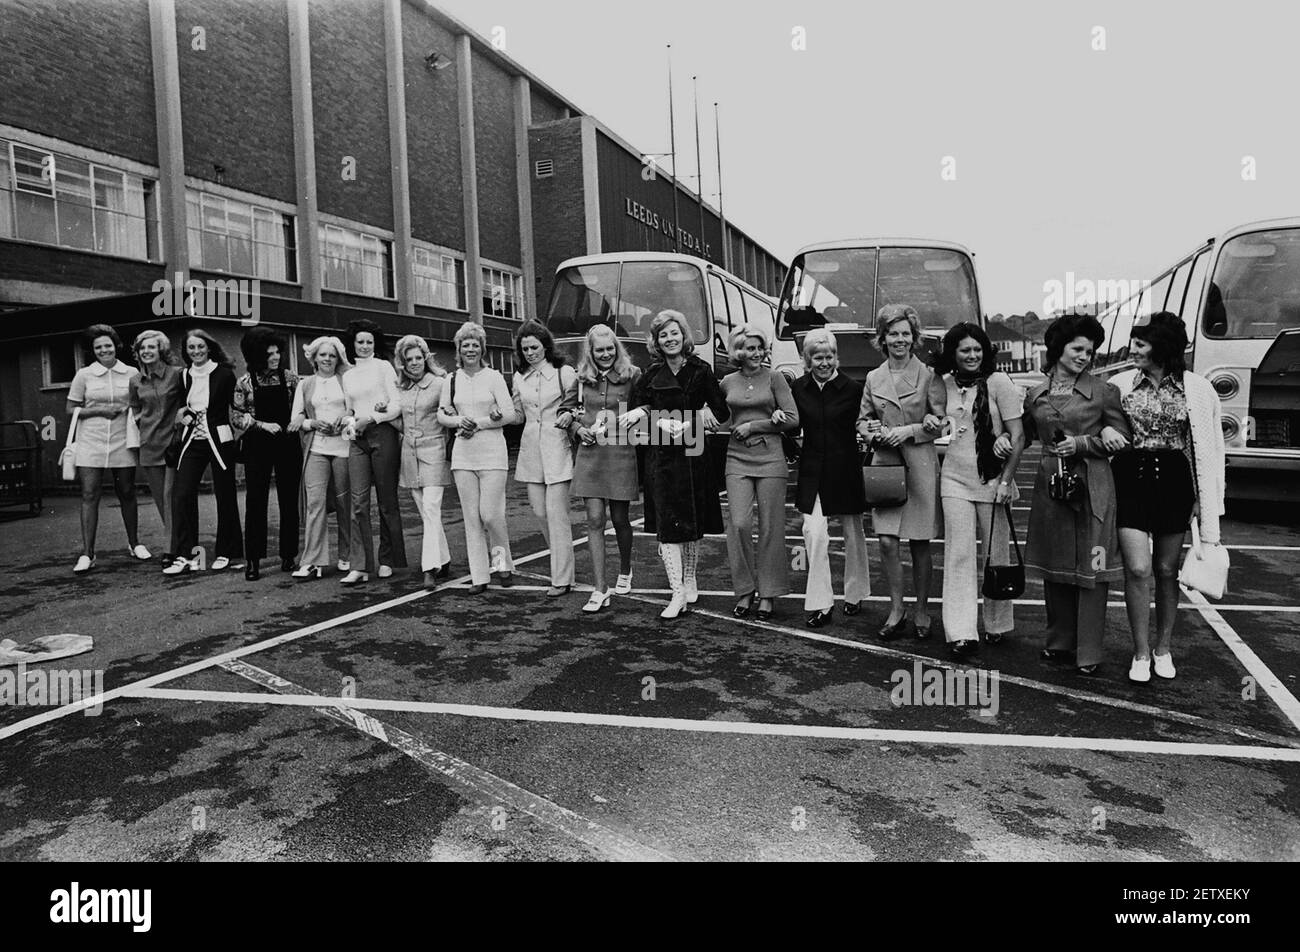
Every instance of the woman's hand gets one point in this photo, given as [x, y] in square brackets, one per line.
[1113, 440]
[741, 431]
[586, 436]
[273, 428]
[779, 417]
[932, 424]
[673, 428]
[296, 425]
[1065, 449]
[564, 420]
[361, 421]
[1003, 494]
[707, 419]
[1002, 446]
[632, 417]
[892, 436]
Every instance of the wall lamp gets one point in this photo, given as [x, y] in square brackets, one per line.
[436, 61]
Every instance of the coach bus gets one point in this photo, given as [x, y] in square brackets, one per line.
[625, 290]
[842, 285]
[1239, 295]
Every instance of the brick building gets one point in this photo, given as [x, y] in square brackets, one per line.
[302, 163]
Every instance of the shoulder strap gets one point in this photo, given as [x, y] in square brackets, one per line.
[72, 428]
[454, 375]
[1011, 526]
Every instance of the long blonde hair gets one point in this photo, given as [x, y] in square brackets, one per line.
[431, 364]
[623, 367]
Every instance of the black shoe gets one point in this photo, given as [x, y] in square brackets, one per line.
[765, 614]
[993, 637]
[961, 650]
[821, 618]
[286, 565]
[252, 571]
[444, 571]
[430, 579]
[895, 631]
[1056, 655]
[921, 632]
[744, 605]
[1089, 670]
[504, 579]
[852, 608]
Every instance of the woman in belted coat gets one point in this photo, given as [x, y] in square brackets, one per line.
[1073, 543]
[898, 396]
[830, 481]
[680, 397]
[424, 469]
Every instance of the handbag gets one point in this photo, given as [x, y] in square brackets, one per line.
[885, 484]
[1064, 485]
[451, 431]
[1003, 582]
[1205, 567]
[132, 432]
[68, 456]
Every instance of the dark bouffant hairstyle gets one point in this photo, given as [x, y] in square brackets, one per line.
[945, 362]
[1167, 335]
[364, 326]
[1065, 329]
[255, 344]
[216, 353]
[99, 330]
[534, 329]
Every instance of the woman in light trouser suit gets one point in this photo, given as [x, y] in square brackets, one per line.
[978, 480]
[424, 449]
[830, 477]
[318, 410]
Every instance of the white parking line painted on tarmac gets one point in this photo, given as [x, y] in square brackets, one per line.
[480, 784]
[751, 728]
[979, 542]
[1263, 676]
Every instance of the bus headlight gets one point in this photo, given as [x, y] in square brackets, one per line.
[1231, 427]
[1225, 385]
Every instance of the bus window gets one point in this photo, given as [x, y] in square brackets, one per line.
[719, 300]
[830, 287]
[583, 296]
[1174, 303]
[1106, 352]
[1117, 347]
[1154, 300]
[735, 304]
[648, 287]
[940, 284]
[1195, 284]
[759, 313]
[1257, 277]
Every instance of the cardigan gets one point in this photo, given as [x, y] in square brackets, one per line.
[1207, 454]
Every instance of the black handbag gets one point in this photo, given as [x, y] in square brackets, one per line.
[451, 431]
[1003, 582]
[172, 455]
[885, 484]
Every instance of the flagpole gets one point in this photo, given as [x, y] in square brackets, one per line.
[699, 166]
[726, 242]
[672, 140]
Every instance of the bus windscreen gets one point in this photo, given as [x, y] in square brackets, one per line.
[627, 297]
[849, 286]
[1255, 290]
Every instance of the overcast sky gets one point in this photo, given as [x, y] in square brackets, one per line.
[1106, 163]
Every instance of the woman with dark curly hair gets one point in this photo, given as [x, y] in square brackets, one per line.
[262, 409]
[376, 453]
[1072, 540]
[100, 401]
[1174, 468]
[207, 440]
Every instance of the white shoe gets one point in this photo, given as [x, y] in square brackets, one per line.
[344, 565]
[624, 584]
[597, 601]
[385, 571]
[181, 566]
[1164, 665]
[140, 552]
[84, 564]
[220, 563]
[676, 606]
[1140, 670]
[306, 571]
[354, 577]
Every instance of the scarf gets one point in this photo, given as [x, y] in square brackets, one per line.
[990, 467]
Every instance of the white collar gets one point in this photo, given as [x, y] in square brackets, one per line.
[545, 368]
[99, 369]
[204, 371]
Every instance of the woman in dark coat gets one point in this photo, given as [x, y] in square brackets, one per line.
[680, 397]
[208, 440]
[830, 480]
[1073, 542]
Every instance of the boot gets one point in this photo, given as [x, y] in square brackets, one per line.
[691, 558]
[671, 553]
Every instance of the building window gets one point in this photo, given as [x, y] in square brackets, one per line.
[60, 362]
[240, 238]
[356, 262]
[58, 200]
[502, 293]
[439, 279]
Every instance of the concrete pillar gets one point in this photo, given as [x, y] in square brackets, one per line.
[304, 151]
[171, 149]
[401, 179]
[469, 178]
[524, 177]
[590, 185]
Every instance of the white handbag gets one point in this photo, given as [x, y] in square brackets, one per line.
[132, 432]
[68, 457]
[1206, 567]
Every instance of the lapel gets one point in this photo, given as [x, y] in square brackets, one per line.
[883, 384]
[664, 379]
